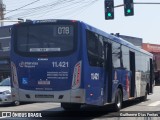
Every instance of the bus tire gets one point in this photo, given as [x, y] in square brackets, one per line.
[71, 106]
[16, 103]
[118, 100]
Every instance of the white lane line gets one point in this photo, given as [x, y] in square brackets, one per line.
[155, 103]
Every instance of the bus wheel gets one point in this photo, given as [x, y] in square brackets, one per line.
[16, 103]
[71, 106]
[118, 100]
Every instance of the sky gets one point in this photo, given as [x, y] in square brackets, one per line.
[144, 24]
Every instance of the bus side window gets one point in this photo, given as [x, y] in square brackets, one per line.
[125, 57]
[95, 49]
[101, 51]
[116, 55]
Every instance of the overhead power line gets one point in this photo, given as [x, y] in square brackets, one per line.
[56, 8]
[39, 9]
[78, 10]
[43, 7]
[69, 8]
[23, 6]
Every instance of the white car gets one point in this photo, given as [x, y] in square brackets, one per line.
[5, 92]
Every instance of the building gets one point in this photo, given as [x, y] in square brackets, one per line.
[5, 36]
[155, 50]
[134, 40]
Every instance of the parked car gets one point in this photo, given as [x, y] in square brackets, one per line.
[5, 92]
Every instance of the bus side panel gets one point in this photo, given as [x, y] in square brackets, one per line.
[92, 76]
[78, 95]
[126, 81]
[94, 86]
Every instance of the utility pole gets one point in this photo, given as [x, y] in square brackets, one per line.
[2, 9]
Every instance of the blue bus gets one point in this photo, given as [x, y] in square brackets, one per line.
[73, 63]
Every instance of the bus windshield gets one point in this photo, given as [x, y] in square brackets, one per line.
[44, 38]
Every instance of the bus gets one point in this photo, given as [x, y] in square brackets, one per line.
[75, 64]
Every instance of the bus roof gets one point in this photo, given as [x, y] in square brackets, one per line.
[116, 39]
[112, 37]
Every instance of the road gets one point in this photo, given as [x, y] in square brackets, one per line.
[53, 110]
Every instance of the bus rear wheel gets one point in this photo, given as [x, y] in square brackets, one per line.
[16, 103]
[71, 106]
[118, 100]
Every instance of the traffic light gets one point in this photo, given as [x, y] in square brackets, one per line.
[109, 9]
[128, 8]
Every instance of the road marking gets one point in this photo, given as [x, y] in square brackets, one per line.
[155, 103]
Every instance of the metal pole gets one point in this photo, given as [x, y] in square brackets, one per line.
[142, 3]
[1, 12]
[2, 8]
[119, 6]
[153, 3]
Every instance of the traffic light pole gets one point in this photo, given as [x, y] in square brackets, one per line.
[119, 6]
[155, 3]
